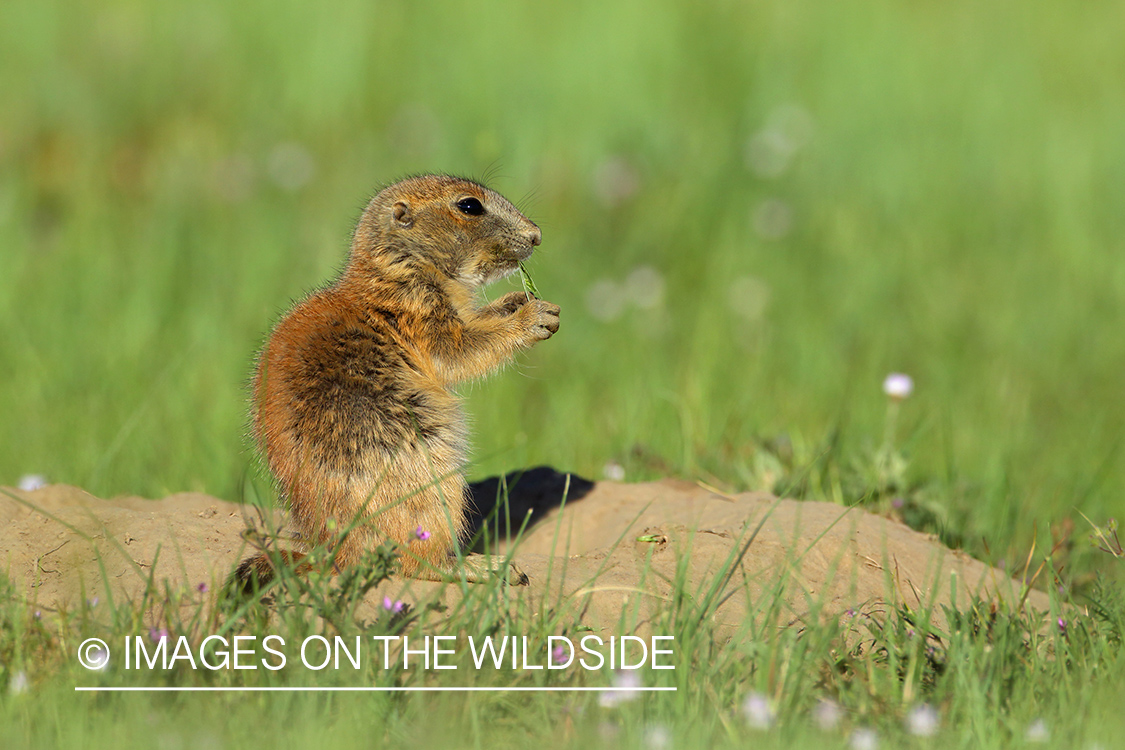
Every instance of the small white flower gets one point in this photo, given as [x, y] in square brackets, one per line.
[794, 121]
[625, 683]
[923, 720]
[748, 298]
[613, 471]
[644, 286]
[605, 300]
[19, 683]
[99, 657]
[898, 386]
[758, 711]
[32, 482]
[787, 130]
[768, 152]
[864, 739]
[827, 714]
[657, 737]
[1037, 732]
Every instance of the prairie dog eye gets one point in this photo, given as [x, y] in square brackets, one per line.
[470, 206]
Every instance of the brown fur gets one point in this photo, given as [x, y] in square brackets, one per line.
[354, 408]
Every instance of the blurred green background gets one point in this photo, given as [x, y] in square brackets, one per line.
[752, 212]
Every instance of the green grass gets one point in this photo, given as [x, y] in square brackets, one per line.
[172, 175]
[990, 676]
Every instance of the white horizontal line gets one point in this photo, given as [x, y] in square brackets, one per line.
[316, 689]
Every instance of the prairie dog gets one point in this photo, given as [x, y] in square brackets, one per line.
[354, 408]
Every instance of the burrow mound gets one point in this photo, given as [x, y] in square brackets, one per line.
[610, 548]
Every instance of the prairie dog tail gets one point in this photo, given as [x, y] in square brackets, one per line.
[259, 570]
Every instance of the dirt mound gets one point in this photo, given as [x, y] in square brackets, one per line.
[612, 548]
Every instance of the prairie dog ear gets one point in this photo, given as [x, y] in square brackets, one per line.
[402, 216]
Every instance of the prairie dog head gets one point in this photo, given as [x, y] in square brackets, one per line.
[456, 226]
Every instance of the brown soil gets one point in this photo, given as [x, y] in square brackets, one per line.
[612, 549]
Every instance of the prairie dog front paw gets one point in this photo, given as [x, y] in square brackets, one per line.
[542, 316]
[509, 303]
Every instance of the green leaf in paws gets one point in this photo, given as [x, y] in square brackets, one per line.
[528, 284]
